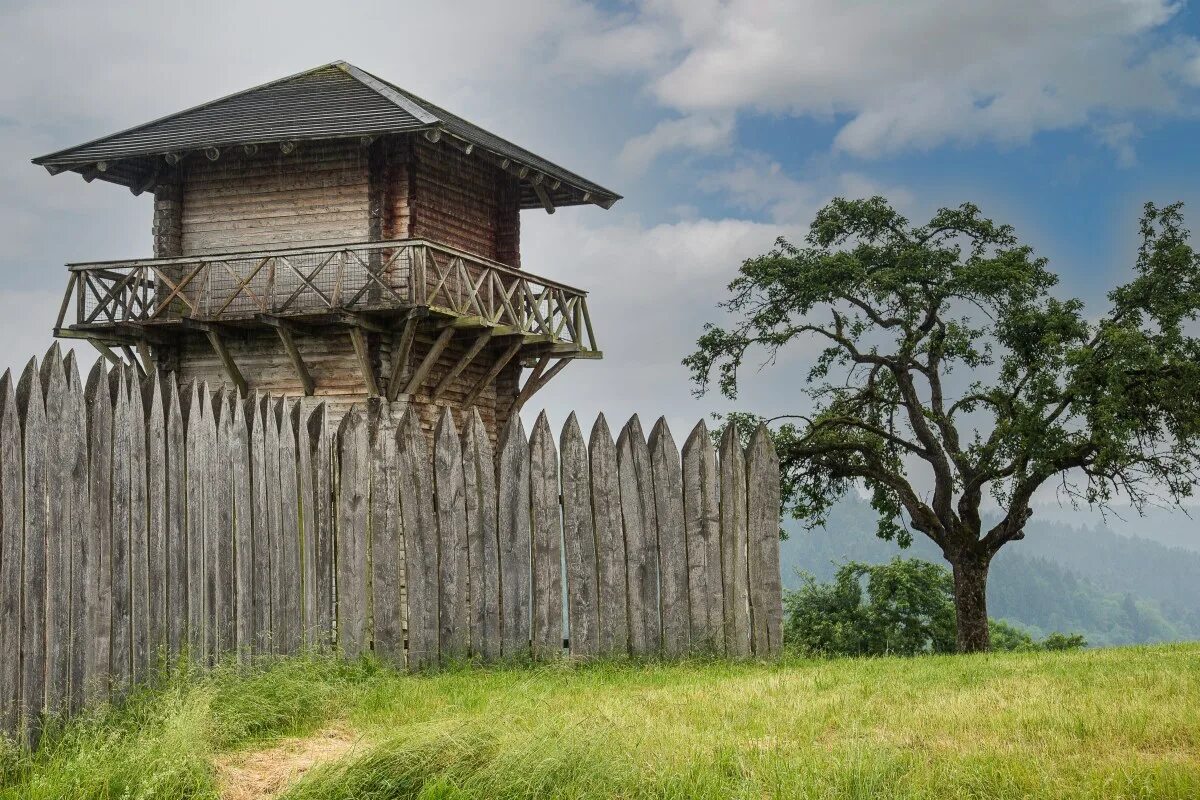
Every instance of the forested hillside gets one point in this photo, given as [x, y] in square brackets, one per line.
[1113, 589]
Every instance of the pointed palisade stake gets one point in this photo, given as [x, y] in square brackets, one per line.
[419, 521]
[613, 638]
[702, 522]
[733, 546]
[513, 535]
[288, 592]
[453, 609]
[672, 544]
[12, 531]
[59, 521]
[579, 543]
[31, 410]
[139, 553]
[766, 593]
[156, 511]
[546, 532]
[641, 547]
[479, 483]
[260, 529]
[176, 521]
[387, 540]
[74, 494]
[354, 461]
[243, 529]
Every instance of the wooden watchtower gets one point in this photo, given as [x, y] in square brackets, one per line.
[331, 234]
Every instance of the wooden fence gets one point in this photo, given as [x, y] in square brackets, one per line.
[142, 522]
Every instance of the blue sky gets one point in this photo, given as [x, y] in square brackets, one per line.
[725, 123]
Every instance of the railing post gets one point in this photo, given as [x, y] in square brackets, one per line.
[271, 284]
[79, 310]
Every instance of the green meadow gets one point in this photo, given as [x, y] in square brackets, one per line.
[1106, 723]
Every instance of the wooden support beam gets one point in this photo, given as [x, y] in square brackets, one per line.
[231, 370]
[133, 359]
[143, 347]
[534, 384]
[359, 339]
[289, 345]
[435, 352]
[492, 373]
[359, 321]
[480, 341]
[401, 350]
[544, 197]
[106, 351]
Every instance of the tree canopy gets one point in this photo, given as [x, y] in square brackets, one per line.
[949, 371]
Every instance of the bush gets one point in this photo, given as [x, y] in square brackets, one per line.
[902, 607]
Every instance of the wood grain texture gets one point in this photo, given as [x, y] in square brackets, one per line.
[206, 464]
[702, 524]
[289, 628]
[479, 481]
[255, 407]
[223, 513]
[75, 432]
[641, 546]
[454, 623]
[156, 515]
[611, 573]
[178, 612]
[195, 461]
[12, 545]
[139, 543]
[122, 603]
[323, 493]
[31, 410]
[546, 531]
[308, 527]
[275, 543]
[579, 543]
[762, 505]
[53, 387]
[672, 543]
[420, 541]
[733, 546]
[243, 530]
[353, 499]
[514, 538]
[387, 537]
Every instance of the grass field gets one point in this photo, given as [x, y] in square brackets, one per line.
[1100, 723]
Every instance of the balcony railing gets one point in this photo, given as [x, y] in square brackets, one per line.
[377, 276]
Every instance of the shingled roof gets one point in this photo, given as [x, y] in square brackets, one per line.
[333, 101]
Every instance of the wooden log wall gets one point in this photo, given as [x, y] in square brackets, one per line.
[143, 522]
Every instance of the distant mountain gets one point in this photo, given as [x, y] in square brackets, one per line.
[1114, 589]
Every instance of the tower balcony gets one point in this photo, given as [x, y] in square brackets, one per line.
[418, 314]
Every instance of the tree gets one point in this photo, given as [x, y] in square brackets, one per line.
[1107, 406]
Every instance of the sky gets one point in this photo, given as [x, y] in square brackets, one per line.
[725, 124]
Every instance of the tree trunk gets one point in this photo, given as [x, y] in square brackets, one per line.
[970, 605]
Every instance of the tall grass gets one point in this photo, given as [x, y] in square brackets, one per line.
[1103, 723]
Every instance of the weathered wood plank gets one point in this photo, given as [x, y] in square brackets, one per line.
[353, 494]
[289, 503]
[479, 482]
[641, 547]
[139, 554]
[32, 412]
[178, 602]
[387, 537]
[546, 532]
[610, 541]
[243, 530]
[12, 535]
[323, 513]
[449, 497]
[205, 461]
[420, 540]
[702, 523]
[672, 542]
[304, 491]
[274, 519]
[122, 608]
[195, 460]
[97, 551]
[733, 546]
[579, 543]
[53, 388]
[514, 538]
[156, 514]
[762, 509]
[75, 433]
[222, 511]
[255, 407]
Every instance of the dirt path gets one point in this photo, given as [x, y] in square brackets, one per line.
[264, 774]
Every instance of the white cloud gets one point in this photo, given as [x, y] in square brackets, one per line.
[699, 133]
[922, 73]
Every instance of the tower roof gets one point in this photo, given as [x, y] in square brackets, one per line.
[333, 101]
